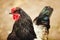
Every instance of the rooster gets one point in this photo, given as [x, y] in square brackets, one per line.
[42, 23]
[23, 26]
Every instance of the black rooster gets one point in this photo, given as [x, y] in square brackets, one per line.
[23, 26]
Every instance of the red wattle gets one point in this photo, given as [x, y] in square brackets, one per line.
[16, 17]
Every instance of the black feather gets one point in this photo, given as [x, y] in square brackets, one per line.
[23, 27]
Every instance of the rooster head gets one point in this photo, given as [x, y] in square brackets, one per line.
[15, 13]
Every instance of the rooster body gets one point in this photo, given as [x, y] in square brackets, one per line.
[22, 28]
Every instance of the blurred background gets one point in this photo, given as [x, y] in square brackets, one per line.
[32, 8]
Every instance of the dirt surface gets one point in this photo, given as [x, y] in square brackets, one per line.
[32, 8]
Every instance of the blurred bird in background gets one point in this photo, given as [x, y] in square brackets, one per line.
[42, 23]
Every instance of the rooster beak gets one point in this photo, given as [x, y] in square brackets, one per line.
[10, 13]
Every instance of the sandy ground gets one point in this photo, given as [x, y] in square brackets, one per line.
[32, 8]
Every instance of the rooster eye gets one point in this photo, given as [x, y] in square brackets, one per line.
[15, 11]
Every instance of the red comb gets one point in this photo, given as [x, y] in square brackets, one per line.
[12, 10]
